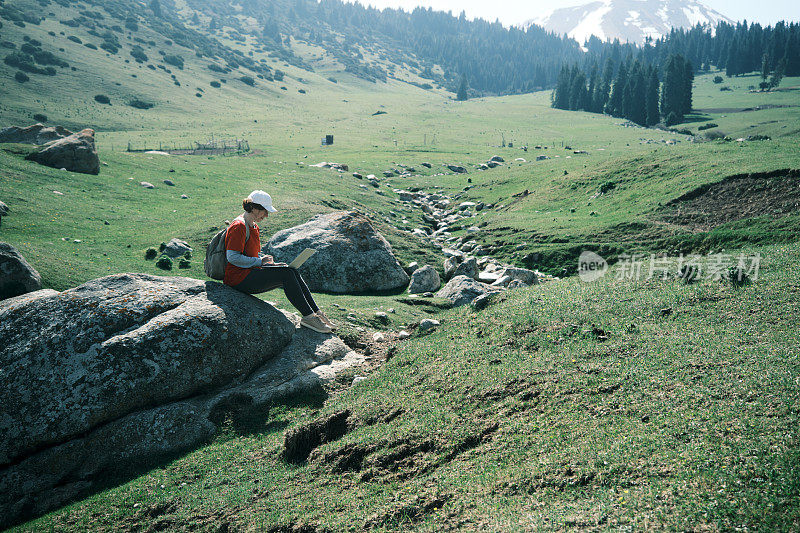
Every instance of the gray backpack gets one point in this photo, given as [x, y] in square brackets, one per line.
[216, 255]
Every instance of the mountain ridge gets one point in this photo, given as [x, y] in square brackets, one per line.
[632, 21]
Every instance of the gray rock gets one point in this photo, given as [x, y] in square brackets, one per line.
[184, 197]
[492, 164]
[515, 284]
[351, 255]
[17, 276]
[468, 268]
[35, 134]
[497, 159]
[3, 209]
[502, 281]
[461, 290]
[130, 369]
[528, 277]
[169, 182]
[450, 266]
[426, 165]
[147, 185]
[75, 153]
[176, 248]
[428, 324]
[412, 267]
[457, 169]
[425, 279]
[481, 302]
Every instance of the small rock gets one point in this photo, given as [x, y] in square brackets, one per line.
[169, 182]
[391, 310]
[147, 185]
[381, 316]
[58, 193]
[403, 334]
[184, 197]
[481, 302]
[378, 337]
[358, 379]
[428, 323]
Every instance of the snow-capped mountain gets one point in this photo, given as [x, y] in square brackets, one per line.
[626, 20]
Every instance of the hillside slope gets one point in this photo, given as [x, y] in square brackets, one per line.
[647, 404]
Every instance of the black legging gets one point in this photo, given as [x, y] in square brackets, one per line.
[269, 277]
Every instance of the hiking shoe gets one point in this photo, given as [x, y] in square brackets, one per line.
[326, 320]
[315, 323]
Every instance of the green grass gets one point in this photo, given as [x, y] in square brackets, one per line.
[716, 380]
[684, 421]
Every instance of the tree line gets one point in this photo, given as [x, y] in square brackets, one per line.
[634, 92]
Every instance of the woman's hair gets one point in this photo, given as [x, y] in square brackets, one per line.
[249, 205]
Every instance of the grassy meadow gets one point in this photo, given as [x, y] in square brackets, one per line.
[620, 404]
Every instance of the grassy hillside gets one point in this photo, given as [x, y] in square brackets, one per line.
[647, 404]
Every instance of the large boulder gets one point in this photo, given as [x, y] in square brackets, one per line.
[461, 290]
[35, 134]
[76, 153]
[351, 255]
[126, 370]
[450, 266]
[425, 279]
[17, 276]
[469, 268]
[528, 277]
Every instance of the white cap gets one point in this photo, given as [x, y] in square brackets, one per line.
[263, 199]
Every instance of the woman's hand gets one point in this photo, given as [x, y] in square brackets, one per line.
[266, 260]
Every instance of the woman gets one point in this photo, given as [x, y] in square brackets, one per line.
[249, 271]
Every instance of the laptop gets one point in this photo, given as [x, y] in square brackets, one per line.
[302, 258]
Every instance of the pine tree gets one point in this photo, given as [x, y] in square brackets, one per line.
[791, 58]
[686, 94]
[600, 95]
[777, 76]
[651, 99]
[672, 97]
[764, 67]
[614, 106]
[561, 93]
[462, 89]
[155, 7]
[636, 94]
[578, 95]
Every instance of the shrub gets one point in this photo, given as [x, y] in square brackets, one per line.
[138, 54]
[90, 46]
[714, 135]
[39, 117]
[162, 246]
[8, 44]
[197, 94]
[75, 39]
[174, 60]
[332, 79]
[187, 254]
[717, 79]
[164, 263]
[21, 77]
[140, 104]
[301, 91]
[109, 47]
[707, 126]
[216, 84]
[607, 186]
[247, 80]
[150, 254]
[738, 277]
[725, 88]
[279, 74]
[131, 25]
[184, 263]
[102, 99]
[216, 68]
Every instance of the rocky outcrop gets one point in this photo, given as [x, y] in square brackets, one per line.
[468, 267]
[461, 290]
[126, 370]
[35, 134]
[17, 276]
[424, 279]
[351, 256]
[76, 153]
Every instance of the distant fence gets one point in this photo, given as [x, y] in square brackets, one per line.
[213, 147]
